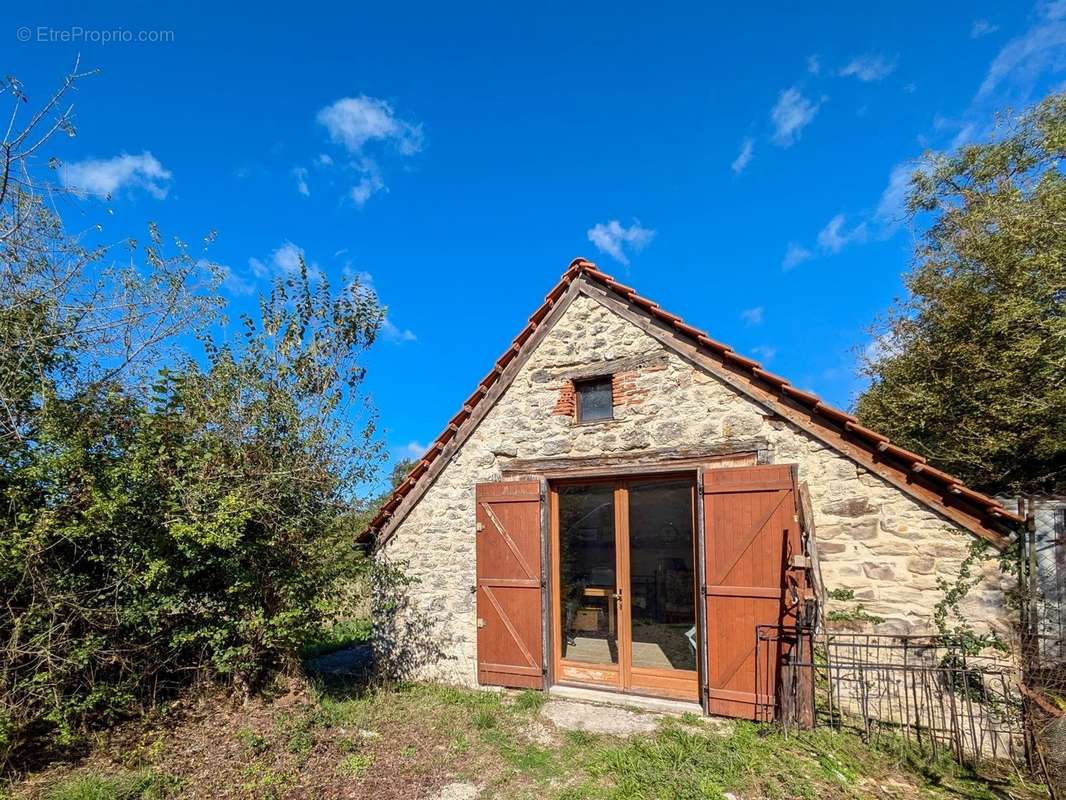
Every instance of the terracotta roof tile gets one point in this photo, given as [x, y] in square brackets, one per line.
[736, 358]
[770, 377]
[874, 436]
[880, 445]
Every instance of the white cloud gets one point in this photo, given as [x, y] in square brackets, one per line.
[967, 134]
[795, 255]
[611, 238]
[1041, 49]
[413, 449]
[765, 352]
[283, 262]
[752, 316]
[300, 173]
[258, 268]
[884, 345]
[233, 282]
[814, 64]
[368, 185]
[354, 121]
[869, 67]
[833, 237]
[104, 177]
[394, 334]
[747, 147]
[892, 208]
[791, 114]
[389, 330]
[891, 212]
[287, 257]
[982, 27]
[362, 277]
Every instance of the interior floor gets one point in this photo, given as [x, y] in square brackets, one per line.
[654, 647]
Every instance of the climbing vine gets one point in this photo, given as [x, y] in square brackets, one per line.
[948, 616]
[857, 614]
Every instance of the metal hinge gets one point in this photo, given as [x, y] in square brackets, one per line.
[480, 527]
[800, 562]
[480, 622]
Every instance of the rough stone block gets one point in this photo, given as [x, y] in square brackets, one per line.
[829, 548]
[737, 426]
[880, 572]
[862, 531]
[921, 566]
[849, 507]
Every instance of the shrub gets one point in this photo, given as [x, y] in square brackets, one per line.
[198, 530]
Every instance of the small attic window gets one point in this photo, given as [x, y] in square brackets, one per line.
[595, 399]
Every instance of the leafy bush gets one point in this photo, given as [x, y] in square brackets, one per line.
[161, 524]
[198, 529]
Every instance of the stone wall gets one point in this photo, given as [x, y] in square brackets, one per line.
[873, 539]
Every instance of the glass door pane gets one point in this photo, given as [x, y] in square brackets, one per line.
[662, 575]
[587, 579]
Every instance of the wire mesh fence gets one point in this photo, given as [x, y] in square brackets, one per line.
[924, 692]
[939, 694]
[1041, 598]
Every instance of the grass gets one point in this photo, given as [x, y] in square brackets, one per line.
[255, 742]
[407, 741]
[144, 785]
[357, 764]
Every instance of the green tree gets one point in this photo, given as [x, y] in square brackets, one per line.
[158, 524]
[970, 369]
[400, 471]
[257, 458]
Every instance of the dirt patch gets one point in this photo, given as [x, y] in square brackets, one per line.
[457, 791]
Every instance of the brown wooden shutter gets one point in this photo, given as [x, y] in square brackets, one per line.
[750, 535]
[509, 589]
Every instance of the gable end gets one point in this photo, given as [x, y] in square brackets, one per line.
[838, 430]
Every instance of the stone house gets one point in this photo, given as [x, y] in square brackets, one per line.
[624, 502]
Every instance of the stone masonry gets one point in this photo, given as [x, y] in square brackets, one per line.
[873, 539]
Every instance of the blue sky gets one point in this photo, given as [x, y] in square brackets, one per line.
[742, 167]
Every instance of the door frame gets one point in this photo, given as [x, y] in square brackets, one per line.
[623, 676]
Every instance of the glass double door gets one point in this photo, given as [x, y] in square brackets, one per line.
[624, 587]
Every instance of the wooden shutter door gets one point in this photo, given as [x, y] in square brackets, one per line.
[509, 590]
[750, 534]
